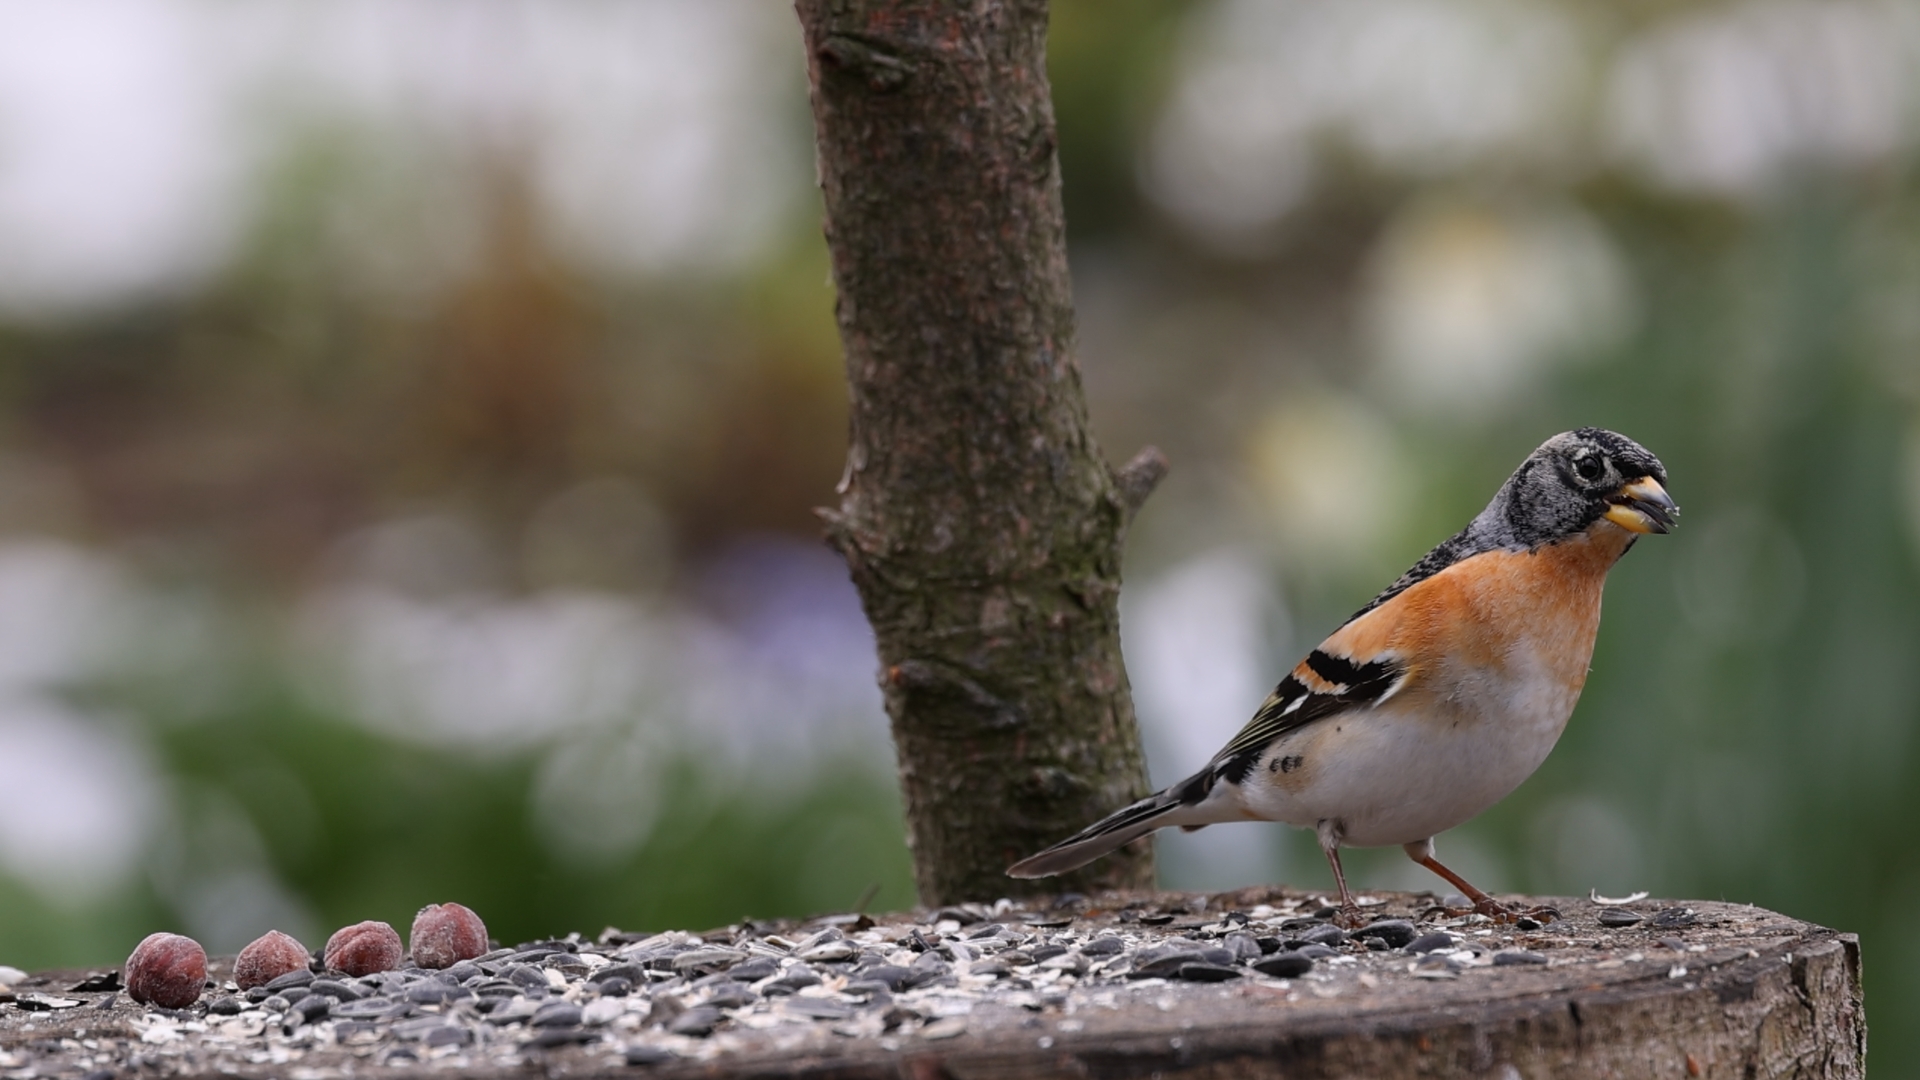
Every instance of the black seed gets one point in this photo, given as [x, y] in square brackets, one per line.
[1325, 935]
[637, 1054]
[817, 1008]
[528, 976]
[1316, 952]
[548, 1038]
[1047, 952]
[1206, 972]
[335, 989]
[1284, 966]
[557, 1014]
[894, 977]
[1156, 919]
[371, 1009]
[1526, 923]
[1397, 933]
[347, 1029]
[1426, 943]
[226, 1006]
[300, 977]
[1514, 957]
[448, 1035]
[794, 979]
[435, 992]
[754, 970]
[464, 970]
[874, 991]
[1674, 918]
[614, 987]
[731, 996]
[313, 1006]
[104, 982]
[1163, 962]
[1050, 922]
[1106, 945]
[629, 972]
[1242, 945]
[1618, 917]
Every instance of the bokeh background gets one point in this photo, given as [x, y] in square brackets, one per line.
[411, 413]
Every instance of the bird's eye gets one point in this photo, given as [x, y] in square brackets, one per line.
[1588, 467]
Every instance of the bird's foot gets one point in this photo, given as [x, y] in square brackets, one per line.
[1499, 912]
[1350, 917]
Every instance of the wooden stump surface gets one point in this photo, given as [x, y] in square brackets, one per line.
[1694, 989]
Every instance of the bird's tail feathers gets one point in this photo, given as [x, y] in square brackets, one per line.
[1116, 830]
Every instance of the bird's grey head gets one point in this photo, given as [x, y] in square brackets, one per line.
[1573, 480]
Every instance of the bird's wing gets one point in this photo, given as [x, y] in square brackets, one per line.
[1354, 668]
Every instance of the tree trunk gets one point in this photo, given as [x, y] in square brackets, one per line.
[982, 526]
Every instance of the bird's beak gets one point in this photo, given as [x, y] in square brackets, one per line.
[1642, 506]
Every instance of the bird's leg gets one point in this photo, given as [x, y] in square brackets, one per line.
[1349, 915]
[1421, 851]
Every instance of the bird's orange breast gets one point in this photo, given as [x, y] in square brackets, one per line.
[1537, 609]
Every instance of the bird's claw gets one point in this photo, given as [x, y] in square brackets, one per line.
[1350, 917]
[1499, 912]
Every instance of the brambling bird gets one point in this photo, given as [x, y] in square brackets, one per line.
[1439, 697]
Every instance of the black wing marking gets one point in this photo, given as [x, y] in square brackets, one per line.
[1292, 706]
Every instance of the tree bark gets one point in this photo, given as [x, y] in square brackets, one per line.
[981, 524]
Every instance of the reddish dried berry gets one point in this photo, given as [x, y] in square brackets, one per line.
[445, 934]
[364, 948]
[272, 955]
[166, 970]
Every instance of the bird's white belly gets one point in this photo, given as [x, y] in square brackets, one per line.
[1408, 770]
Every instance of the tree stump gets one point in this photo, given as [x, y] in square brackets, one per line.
[1127, 985]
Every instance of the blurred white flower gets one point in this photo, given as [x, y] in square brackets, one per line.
[780, 676]
[121, 172]
[1198, 641]
[80, 799]
[61, 613]
[134, 133]
[1466, 301]
[1421, 86]
[1327, 469]
[1198, 644]
[1732, 98]
[596, 799]
[480, 672]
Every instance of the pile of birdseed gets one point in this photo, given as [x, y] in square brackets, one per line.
[845, 986]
